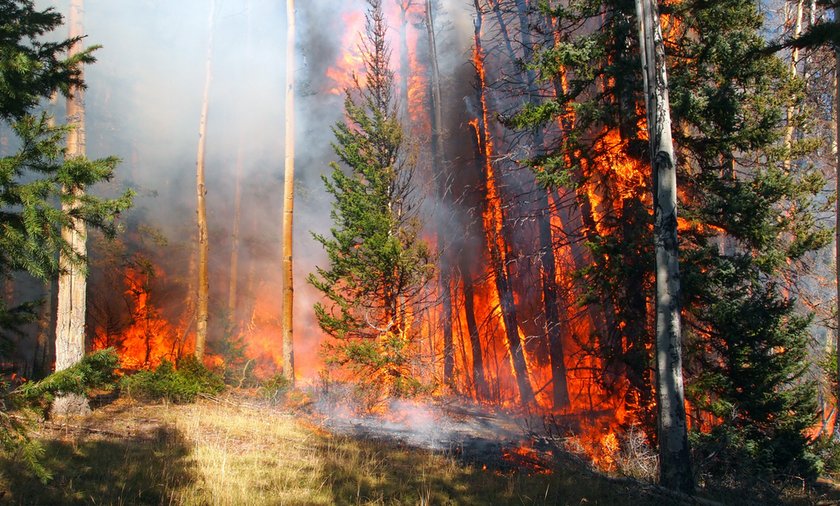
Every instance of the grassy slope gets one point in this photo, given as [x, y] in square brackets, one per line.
[210, 453]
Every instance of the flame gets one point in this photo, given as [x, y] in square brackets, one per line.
[149, 339]
[350, 63]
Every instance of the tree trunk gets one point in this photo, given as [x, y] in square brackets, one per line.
[440, 172]
[674, 458]
[72, 282]
[489, 200]
[405, 67]
[794, 61]
[203, 294]
[554, 328]
[482, 391]
[289, 197]
[233, 320]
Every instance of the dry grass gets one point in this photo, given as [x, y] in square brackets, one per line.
[222, 454]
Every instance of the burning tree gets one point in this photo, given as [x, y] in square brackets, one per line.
[746, 214]
[377, 262]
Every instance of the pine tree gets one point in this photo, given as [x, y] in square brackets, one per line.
[33, 207]
[377, 262]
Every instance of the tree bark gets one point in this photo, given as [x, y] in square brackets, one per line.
[203, 293]
[72, 282]
[794, 61]
[674, 458]
[289, 197]
[490, 199]
[482, 390]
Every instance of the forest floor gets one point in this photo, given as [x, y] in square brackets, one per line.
[238, 450]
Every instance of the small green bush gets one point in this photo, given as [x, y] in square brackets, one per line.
[180, 385]
[275, 387]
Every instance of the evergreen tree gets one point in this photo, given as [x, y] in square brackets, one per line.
[33, 206]
[32, 178]
[744, 214]
[377, 262]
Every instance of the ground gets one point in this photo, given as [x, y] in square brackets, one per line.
[238, 450]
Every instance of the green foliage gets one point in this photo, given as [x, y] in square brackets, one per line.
[95, 370]
[33, 179]
[180, 385]
[377, 261]
[275, 387]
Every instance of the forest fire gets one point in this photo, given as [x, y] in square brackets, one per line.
[488, 260]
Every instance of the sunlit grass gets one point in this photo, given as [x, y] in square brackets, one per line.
[222, 454]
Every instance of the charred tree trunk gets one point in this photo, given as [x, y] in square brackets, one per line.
[484, 165]
[444, 275]
[41, 365]
[674, 458]
[72, 282]
[482, 390]
[203, 293]
[289, 198]
[553, 326]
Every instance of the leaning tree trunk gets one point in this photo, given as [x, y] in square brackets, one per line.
[203, 294]
[289, 197]
[674, 459]
[72, 283]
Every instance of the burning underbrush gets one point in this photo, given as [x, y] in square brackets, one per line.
[491, 438]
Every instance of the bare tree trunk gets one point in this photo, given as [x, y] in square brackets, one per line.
[405, 67]
[674, 458]
[794, 61]
[72, 282]
[444, 279]
[497, 254]
[289, 197]
[482, 390]
[203, 295]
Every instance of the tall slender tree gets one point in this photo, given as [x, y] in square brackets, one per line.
[674, 459]
[72, 279]
[289, 198]
[203, 281]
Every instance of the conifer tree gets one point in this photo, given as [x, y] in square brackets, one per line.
[377, 262]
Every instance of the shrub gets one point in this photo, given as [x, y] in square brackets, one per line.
[182, 384]
[275, 387]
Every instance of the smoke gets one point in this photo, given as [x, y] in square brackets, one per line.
[142, 105]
